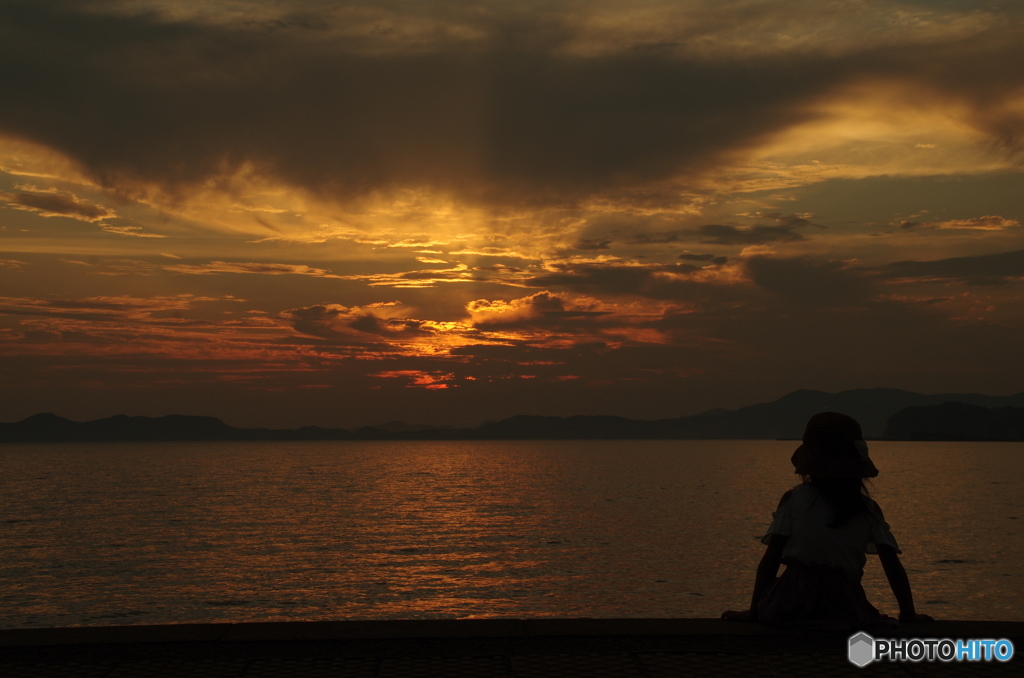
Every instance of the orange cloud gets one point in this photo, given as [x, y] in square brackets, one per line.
[419, 379]
[985, 223]
[431, 277]
[250, 267]
[498, 312]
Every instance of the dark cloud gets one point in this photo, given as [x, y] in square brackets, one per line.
[105, 309]
[57, 204]
[509, 116]
[983, 269]
[810, 282]
[660, 238]
[612, 278]
[718, 234]
[317, 321]
[717, 261]
[790, 220]
[517, 353]
[44, 312]
[791, 281]
[351, 325]
[587, 244]
[545, 302]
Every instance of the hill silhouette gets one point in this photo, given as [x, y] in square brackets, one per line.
[957, 421]
[876, 409]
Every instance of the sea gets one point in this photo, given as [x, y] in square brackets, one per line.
[163, 533]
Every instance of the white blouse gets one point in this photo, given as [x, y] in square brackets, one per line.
[804, 519]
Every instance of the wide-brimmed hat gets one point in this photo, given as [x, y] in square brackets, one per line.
[833, 447]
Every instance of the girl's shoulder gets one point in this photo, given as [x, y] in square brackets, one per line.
[874, 508]
[801, 491]
[797, 498]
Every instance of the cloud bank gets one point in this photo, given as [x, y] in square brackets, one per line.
[496, 107]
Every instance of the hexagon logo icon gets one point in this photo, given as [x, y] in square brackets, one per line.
[861, 651]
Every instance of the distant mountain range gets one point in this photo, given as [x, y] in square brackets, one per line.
[883, 413]
[956, 421]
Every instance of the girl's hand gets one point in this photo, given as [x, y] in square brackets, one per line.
[916, 618]
[739, 615]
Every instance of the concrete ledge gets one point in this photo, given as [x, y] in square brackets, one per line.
[458, 628]
[380, 629]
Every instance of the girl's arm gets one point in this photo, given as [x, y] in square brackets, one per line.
[900, 584]
[767, 570]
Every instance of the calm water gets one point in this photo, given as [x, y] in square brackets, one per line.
[205, 532]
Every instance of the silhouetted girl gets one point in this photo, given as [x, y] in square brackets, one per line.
[821, 531]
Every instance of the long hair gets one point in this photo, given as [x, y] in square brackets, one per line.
[844, 495]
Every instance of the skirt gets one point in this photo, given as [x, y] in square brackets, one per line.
[821, 597]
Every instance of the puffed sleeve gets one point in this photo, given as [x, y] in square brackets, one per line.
[880, 533]
[782, 522]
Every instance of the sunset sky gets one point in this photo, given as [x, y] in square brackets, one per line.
[284, 213]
